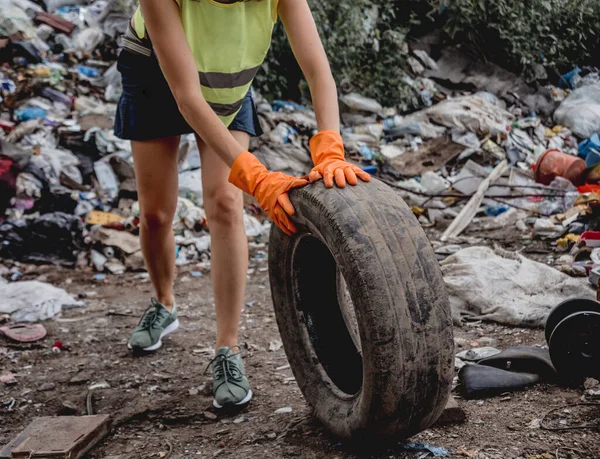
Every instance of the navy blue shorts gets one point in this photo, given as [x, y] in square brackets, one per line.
[147, 109]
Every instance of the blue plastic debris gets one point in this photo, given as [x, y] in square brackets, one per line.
[7, 86]
[494, 211]
[593, 158]
[586, 145]
[196, 273]
[30, 113]
[366, 152]
[370, 169]
[100, 277]
[279, 105]
[435, 450]
[568, 79]
[89, 71]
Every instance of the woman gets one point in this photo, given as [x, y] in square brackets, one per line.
[187, 67]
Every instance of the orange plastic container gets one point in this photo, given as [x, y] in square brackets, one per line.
[555, 163]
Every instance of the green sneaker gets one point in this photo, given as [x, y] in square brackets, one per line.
[156, 323]
[230, 384]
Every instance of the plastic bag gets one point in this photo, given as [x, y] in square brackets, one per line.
[114, 85]
[481, 113]
[580, 112]
[433, 183]
[88, 39]
[355, 101]
[33, 301]
[29, 7]
[190, 186]
[14, 20]
[62, 161]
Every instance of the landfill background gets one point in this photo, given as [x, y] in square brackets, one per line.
[499, 161]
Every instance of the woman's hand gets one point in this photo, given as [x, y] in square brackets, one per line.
[327, 151]
[270, 189]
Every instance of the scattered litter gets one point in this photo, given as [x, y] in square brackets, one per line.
[470, 209]
[420, 447]
[57, 347]
[99, 385]
[24, 333]
[535, 423]
[478, 353]
[33, 301]
[210, 416]
[357, 102]
[8, 379]
[275, 345]
[287, 409]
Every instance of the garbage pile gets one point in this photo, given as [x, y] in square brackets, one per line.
[475, 161]
[466, 161]
[67, 184]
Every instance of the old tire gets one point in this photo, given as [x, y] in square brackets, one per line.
[376, 359]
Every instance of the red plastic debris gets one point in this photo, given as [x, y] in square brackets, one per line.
[57, 347]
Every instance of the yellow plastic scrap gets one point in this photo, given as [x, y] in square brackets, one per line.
[418, 211]
[42, 72]
[569, 239]
[556, 129]
[549, 133]
[95, 217]
[492, 147]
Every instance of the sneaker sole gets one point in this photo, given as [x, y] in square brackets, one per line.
[167, 331]
[245, 400]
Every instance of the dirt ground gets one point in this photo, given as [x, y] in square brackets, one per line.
[161, 402]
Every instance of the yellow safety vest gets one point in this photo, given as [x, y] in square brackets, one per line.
[229, 42]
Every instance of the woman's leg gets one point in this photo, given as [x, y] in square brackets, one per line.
[156, 175]
[223, 204]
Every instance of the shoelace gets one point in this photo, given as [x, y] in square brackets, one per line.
[151, 316]
[225, 367]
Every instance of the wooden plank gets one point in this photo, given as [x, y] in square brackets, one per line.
[466, 215]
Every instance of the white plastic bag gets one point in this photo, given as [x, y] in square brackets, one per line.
[580, 112]
[355, 101]
[88, 39]
[32, 301]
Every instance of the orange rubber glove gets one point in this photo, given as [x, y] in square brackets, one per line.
[327, 151]
[268, 188]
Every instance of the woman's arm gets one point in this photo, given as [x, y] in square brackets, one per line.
[162, 20]
[308, 50]
[326, 147]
